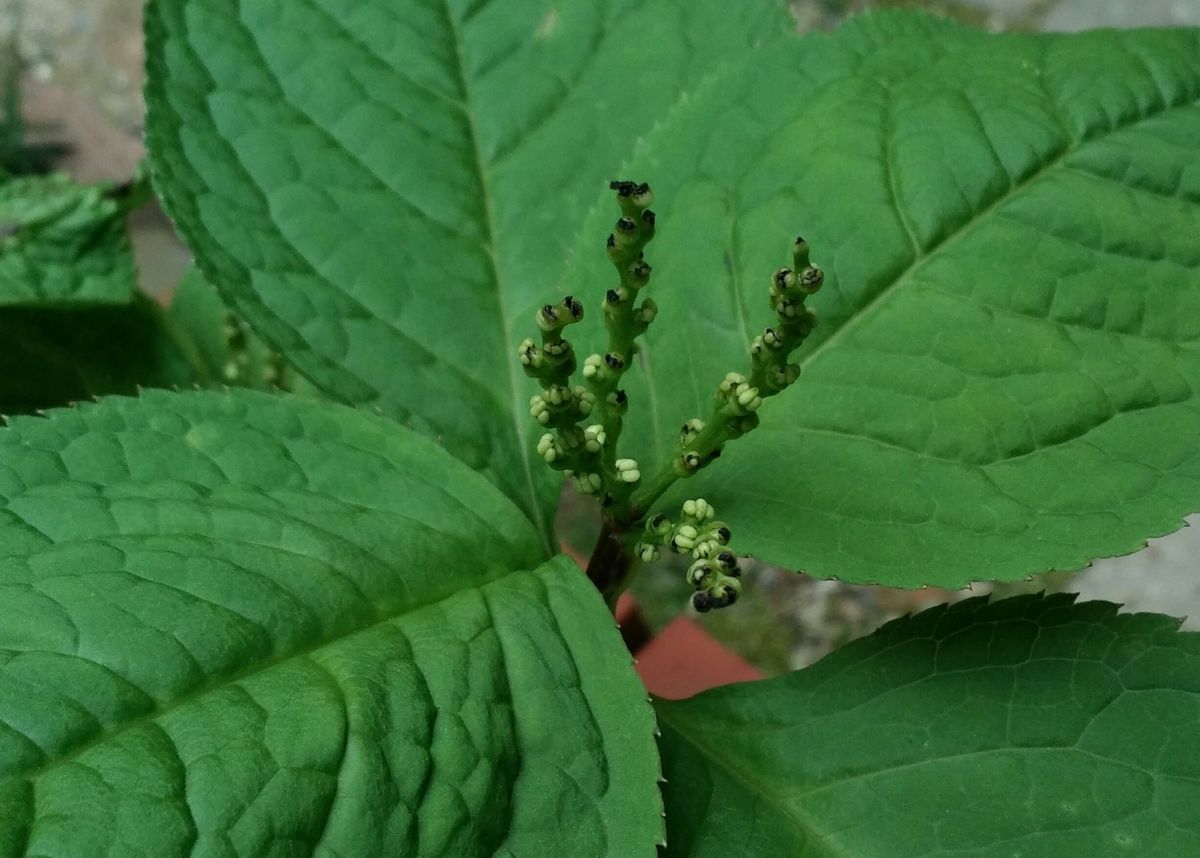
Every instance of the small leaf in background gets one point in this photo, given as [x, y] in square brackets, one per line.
[1003, 378]
[387, 192]
[1029, 726]
[246, 624]
[63, 243]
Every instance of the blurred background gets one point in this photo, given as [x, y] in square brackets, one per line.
[71, 72]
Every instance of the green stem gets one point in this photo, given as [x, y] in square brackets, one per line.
[712, 438]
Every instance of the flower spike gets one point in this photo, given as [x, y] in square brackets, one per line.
[715, 570]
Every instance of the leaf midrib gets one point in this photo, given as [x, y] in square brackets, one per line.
[745, 776]
[503, 313]
[159, 710]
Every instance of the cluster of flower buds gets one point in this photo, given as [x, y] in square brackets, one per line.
[715, 571]
[552, 362]
[624, 318]
[247, 363]
[237, 368]
[769, 353]
[587, 453]
[738, 396]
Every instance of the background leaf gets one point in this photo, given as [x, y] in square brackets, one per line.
[1004, 377]
[72, 321]
[1030, 726]
[56, 356]
[64, 243]
[240, 624]
[384, 190]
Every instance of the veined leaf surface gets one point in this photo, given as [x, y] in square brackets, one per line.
[1004, 376]
[235, 624]
[380, 186]
[1031, 727]
[62, 243]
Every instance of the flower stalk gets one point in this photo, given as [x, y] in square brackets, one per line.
[739, 397]
[584, 421]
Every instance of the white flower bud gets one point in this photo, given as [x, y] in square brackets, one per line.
[594, 438]
[589, 484]
[811, 279]
[705, 548]
[732, 380]
[700, 573]
[783, 280]
[646, 313]
[690, 430]
[647, 552]
[699, 509]
[681, 544]
[748, 397]
[591, 366]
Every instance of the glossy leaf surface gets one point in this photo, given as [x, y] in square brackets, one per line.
[1004, 376]
[1029, 727]
[386, 191]
[236, 624]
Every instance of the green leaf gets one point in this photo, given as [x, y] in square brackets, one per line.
[1004, 376]
[387, 191]
[1031, 727]
[236, 624]
[64, 243]
[53, 357]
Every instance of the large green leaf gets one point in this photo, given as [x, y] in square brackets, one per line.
[233, 624]
[1030, 727]
[1003, 379]
[64, 244]
[379, 186]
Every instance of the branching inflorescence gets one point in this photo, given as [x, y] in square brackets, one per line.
[585, 420]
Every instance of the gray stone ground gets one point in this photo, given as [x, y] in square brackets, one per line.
[83, 85]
